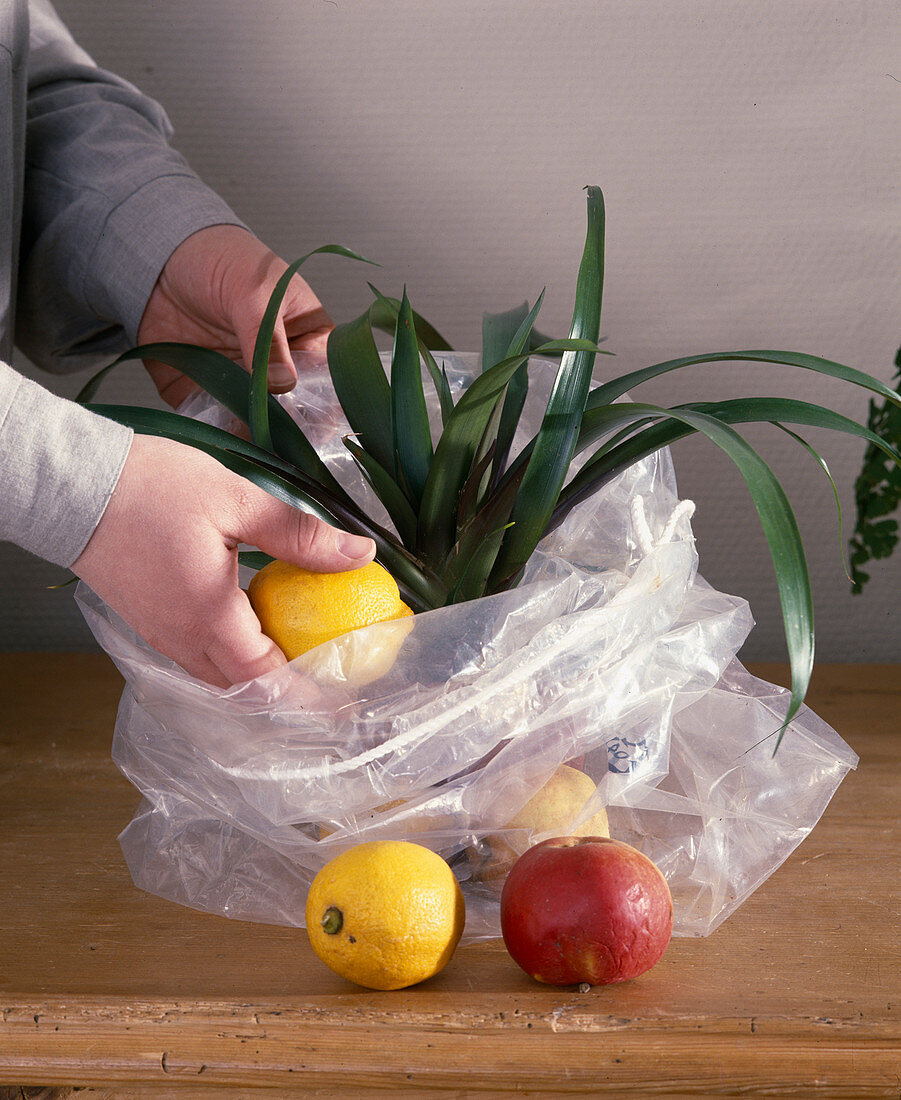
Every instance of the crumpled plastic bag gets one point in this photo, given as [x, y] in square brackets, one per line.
[612, 653]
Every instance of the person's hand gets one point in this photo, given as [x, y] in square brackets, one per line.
[213, 291]
[165, 557]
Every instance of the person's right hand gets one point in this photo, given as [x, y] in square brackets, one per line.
[214, 291]
[165, 557]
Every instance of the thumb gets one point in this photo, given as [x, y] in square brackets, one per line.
[237, 649]
[302, 539]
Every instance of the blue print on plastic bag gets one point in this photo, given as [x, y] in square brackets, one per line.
[624, 756]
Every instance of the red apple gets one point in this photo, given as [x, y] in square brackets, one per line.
[585, 909]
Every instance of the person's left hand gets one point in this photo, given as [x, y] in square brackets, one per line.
[213, 291]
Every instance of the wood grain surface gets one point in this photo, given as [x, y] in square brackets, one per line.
[126, 995]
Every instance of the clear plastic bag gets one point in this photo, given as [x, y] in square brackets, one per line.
[612, 652]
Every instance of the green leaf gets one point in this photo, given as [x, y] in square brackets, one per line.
[786, 549]
[254, 559]
[457, 448]
[62, 584]
[787, 410]
[416, 588]
[475, 552]
[196, 433]
[442, 386]
[782, 535]
[608, 392]
[388, 309]
[522, 337]
[90, 388]
[422, 589]
[454, 457]
[229, 384]
[201, 365]
[384, 317]
[555, 443]
[388, 491]
[741, 410]
[498, 330]
[821, 462]
[477, 565]
[471, 495]
[362, 387]
[409, 415]
[622, 451]
[517, 391]
[259, 405]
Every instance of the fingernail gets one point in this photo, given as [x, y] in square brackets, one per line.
[281, 377]
[355, 546]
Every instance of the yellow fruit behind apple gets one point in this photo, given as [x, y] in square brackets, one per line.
[551, 811]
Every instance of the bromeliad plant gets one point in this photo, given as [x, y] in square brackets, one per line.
[466, 514]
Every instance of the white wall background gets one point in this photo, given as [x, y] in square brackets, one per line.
[749, 154]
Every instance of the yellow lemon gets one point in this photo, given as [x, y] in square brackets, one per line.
[386, 914]
[551, 811]
[300, 610]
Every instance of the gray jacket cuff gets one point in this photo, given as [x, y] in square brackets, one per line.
[139, 236]
[59, 464]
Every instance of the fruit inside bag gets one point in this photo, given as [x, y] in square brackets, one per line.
[603, 690]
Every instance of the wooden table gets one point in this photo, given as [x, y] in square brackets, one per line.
[102, 985]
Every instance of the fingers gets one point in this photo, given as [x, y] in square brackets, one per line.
[282, 373]
[221, 643]
[309, 331]
[303, 325]
[237, 649]
[173, 386]
[214, 290]
[164, 557]
[298, 537]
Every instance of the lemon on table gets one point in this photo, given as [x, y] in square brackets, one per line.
[299, 610]
[386, 914]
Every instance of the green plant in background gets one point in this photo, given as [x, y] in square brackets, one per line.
[877, 491]
[467, 515]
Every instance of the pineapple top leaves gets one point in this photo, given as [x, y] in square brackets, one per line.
[466, 516]
[411, 437]
[556, 440]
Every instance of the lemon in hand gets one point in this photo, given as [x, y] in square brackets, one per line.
[300, 610]
[386, 914]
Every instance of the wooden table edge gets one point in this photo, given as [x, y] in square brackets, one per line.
[226, 1044]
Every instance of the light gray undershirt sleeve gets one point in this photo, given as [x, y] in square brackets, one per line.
[59, 464]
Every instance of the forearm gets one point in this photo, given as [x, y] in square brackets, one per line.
[59, 465]
[106, 202]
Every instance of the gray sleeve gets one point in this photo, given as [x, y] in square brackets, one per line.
[106, 202]
[59, 464]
